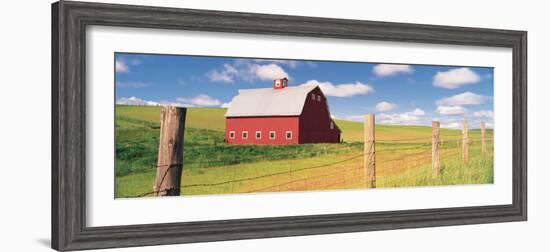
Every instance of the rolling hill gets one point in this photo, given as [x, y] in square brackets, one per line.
[213, 119]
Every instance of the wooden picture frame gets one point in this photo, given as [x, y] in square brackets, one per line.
[69, 21]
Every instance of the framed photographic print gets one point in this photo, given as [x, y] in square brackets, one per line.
[177, 125]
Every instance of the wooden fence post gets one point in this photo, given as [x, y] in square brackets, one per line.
[369, 152]
[170, 155]
[483, 146]
[465, 154]
[435, 149]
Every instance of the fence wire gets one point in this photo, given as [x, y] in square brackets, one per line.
[413, 154]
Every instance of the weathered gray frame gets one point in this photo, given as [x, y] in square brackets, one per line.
[69, 20]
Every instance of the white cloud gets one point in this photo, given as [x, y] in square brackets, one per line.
[121, 66]
[141, 102]
[246, 70]
[474, 120]
[226, 105]
[451, 125]
[451, 110]
[226, 74]
[341, 90]
[290, 63]
[466, 98]
[382, 70]
[269, 72]
[411, 117]
[417, 112]
[356, 118]
[176, 104]
[459, 125]
[385, 106]
[131, 84]
[484, 114]
[135, 101]
[200, 100]
[455, 78]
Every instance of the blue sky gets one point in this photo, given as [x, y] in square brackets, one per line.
[396, 93]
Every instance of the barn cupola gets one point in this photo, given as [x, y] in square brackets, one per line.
[280, 83]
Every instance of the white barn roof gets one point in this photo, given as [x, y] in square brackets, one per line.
[288, 101]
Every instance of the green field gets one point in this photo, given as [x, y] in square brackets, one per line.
[403, 156]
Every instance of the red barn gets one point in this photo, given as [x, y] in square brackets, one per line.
[280, 115]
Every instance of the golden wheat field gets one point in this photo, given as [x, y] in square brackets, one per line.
[402, 157]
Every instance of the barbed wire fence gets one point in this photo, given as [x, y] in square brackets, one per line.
[393, 158]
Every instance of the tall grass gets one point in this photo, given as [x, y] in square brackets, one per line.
[453, 171]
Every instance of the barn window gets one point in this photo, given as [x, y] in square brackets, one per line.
[258, 135]
[313, 97]
[245, 134]
[331, 125]
[318, 98]
[231, 134]
[272, 135]
[288, 134]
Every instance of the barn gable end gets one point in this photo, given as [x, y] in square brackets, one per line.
[316, 124]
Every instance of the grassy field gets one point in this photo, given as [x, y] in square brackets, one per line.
[403, 156]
